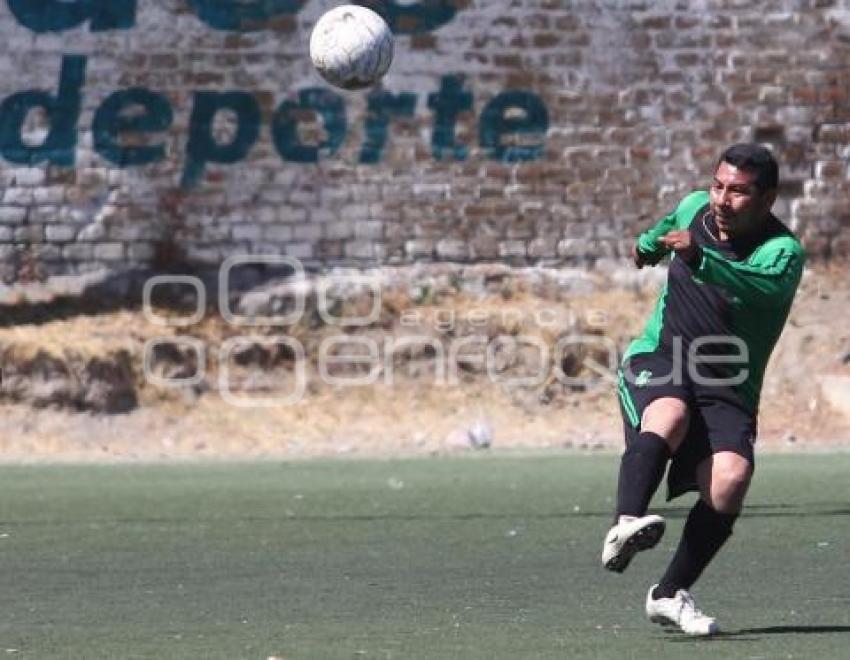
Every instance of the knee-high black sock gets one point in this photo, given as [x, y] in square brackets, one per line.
[641, 469]
[706, 530]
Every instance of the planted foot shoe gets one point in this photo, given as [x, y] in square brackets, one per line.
[681, 611]
[628, 537]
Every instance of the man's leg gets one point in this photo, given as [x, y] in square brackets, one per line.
[663, 426]
[723, 480]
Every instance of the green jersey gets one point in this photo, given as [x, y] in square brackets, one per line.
[740, 289]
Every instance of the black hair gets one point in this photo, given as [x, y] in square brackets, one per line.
[753, 158]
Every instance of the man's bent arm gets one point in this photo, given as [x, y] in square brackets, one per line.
[647, 243]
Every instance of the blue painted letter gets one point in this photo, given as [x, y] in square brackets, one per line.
[203, 148]
[447, 104]
[63, 111]
[59, 15]
[328, 105]
[120, 113]
[495, 123]
[242, 14]
[382, 106]
[415, 18]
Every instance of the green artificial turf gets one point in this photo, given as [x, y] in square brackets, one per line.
[484, 556]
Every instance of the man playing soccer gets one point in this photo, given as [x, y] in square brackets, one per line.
[689, 385]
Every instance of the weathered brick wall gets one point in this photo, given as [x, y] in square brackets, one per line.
[563, 127]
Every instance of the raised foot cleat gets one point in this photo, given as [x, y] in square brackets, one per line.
[681, 611]
[628, 537]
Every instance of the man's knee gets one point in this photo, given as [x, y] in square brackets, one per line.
[727, 481]
[668, 417]
[731, 483]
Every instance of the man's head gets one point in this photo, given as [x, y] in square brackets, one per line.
[744, 188]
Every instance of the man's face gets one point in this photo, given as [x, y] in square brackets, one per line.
[739, 207]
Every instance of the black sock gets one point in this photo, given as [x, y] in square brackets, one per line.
[641, 469]
[705, 532]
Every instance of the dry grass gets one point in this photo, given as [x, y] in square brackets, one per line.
[414, 414]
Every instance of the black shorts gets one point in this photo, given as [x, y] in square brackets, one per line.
[718, 420]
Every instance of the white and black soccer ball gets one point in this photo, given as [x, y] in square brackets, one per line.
[351, 47]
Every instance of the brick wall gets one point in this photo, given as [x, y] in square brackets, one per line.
[140, 132]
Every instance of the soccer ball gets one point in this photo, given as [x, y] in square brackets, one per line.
[351, 47]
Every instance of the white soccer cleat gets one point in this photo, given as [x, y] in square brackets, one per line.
[681, 611]
[628, 537]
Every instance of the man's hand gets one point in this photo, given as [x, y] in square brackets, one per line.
[682, 243]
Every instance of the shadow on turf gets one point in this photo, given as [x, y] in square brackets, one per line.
[796, 630]
[752, 634]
